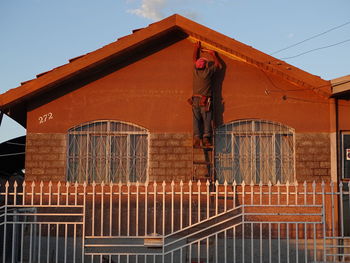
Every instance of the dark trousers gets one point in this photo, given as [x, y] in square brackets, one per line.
[201, 119]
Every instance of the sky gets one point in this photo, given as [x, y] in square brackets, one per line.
[38, 35]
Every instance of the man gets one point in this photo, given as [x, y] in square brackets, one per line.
[203, 73]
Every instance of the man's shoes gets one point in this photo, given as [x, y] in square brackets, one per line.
[207, 142]
[196, 142]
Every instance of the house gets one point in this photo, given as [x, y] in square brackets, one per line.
[114, 124]
[120, 114]
[341, 95]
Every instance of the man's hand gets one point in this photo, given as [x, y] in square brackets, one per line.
[211, 52]
[196, 51]
[198, 46]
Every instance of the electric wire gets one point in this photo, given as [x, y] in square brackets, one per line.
[11, 154]
[312, 37]
[315, 49]
[14, 143]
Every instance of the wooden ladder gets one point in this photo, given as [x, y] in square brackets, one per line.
[203, 164]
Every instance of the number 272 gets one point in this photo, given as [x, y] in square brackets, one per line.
[45, 117]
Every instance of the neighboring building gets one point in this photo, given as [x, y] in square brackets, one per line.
[120, 113]
[341, 95]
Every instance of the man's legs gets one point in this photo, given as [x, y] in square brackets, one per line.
[197, 122]
[207, 133]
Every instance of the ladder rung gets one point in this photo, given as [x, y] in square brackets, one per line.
[203, 179]
[206, 148]
[202, 162]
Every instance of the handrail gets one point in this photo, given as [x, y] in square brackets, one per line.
[203, 221]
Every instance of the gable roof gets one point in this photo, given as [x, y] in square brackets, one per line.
[12, 102]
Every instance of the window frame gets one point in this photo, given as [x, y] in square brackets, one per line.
[238, 128]
[138, 130]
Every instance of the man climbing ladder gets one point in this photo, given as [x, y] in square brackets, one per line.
[203, 73]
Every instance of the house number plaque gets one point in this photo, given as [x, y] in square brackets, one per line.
[46, 117]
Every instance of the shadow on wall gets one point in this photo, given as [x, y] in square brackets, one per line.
[218, 103]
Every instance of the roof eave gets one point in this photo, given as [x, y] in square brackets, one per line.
[84, 63]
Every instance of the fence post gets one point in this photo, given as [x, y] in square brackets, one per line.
[305, 192]
[234, 185]
[102, 208]
[155, 208]
[296, 192]
[163, 218]
[128, 184]
[84, 224]
[225, 196]
[5, 221]
[172, 205]
[243, 219]
[163, 212]
[270, 193]
[287, 192]
[323, 220]
[190, 203]
[137, 207]
[278, 192]
[199, 200]
[208, 198]
[340, 204]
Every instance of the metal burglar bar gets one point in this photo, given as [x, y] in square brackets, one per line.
[174, 222]
[254, 151]
[107, 150]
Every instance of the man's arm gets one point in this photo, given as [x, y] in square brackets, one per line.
[196, 51]
[214, 56]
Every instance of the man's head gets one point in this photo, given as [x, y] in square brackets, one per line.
[201, 63]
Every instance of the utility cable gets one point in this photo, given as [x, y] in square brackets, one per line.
[320, 34]
[303, 53]
[11, 154]
[14, 143]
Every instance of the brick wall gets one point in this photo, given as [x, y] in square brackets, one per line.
[313, 156]
[45, 156]
[170, 156]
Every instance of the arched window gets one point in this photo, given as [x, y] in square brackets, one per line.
[254, 151]
[107, 151]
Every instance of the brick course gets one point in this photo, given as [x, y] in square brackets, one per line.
[313, 156]
[170, 156]
[45, 156]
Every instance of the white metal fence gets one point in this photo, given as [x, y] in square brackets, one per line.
[174, 222]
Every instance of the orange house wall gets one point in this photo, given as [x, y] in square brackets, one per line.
[152, 92]
[343, 115]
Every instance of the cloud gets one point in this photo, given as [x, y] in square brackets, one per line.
[189, 14]
[151, 9]
[290, 35]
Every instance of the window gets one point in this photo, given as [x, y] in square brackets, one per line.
[345, 153]
[254, 151]
[107, 151]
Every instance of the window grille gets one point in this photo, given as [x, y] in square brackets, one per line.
[108, 151]
[254, 151]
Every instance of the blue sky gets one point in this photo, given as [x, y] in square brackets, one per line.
[38, 35]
